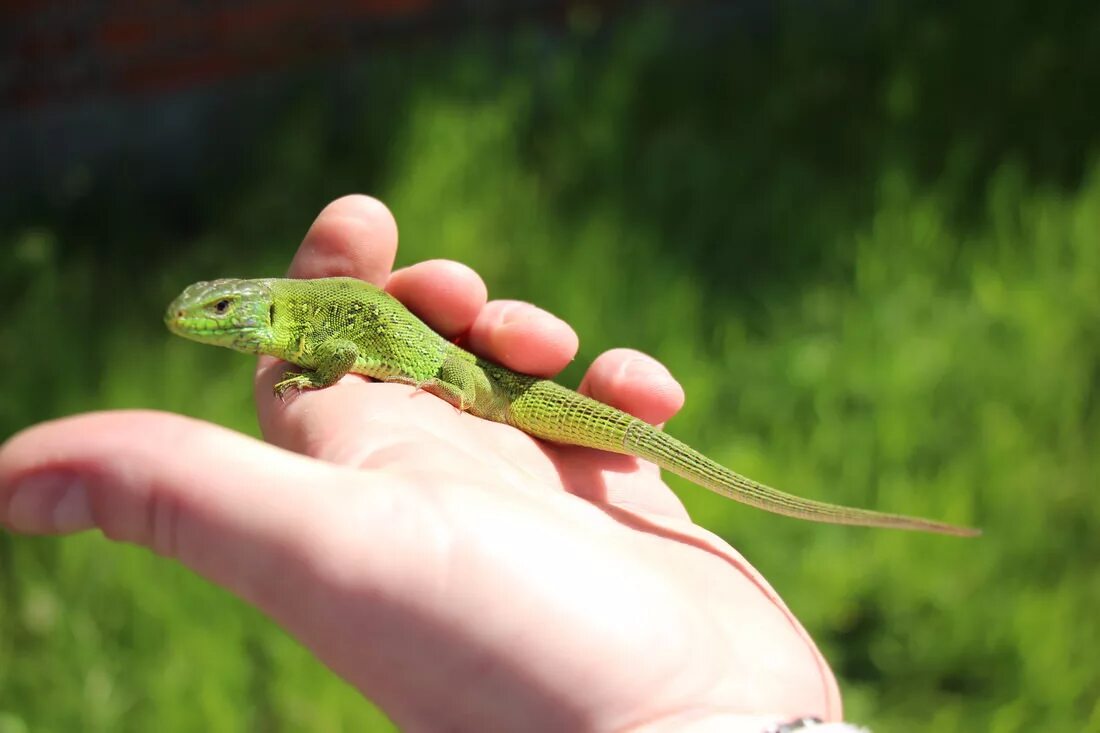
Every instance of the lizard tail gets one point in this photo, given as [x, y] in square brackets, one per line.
[645, 441]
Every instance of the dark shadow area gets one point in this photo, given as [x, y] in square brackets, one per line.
[746, 139]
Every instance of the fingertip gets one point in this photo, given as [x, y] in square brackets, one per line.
[635, 383]
[446, 294]
[355, 236]
[47, 503]
[523, 337]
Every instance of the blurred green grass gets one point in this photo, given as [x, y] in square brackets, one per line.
[873, 262]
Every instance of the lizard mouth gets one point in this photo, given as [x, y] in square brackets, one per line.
[239, 335]
[180, 324]
[176, 321]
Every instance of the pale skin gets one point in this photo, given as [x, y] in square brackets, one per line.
[458, 572]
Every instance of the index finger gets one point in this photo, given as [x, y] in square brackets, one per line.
[354, 236]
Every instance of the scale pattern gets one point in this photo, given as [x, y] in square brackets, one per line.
[309, 315]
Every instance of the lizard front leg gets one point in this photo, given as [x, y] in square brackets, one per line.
[334, 360]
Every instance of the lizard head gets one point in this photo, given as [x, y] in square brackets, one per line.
[231, 313]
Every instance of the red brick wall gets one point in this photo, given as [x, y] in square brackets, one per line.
[61, 51]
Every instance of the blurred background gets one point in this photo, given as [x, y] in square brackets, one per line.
[865, 236]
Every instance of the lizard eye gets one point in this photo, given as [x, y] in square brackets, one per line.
[221, 306]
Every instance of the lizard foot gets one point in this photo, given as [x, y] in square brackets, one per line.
[293, 383]
[434, 386]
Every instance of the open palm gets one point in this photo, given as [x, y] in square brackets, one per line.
[460, 573]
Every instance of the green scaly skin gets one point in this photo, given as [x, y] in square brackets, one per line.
[331, 326]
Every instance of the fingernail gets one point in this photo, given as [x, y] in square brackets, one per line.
[73, 512]
[640, 367]
[513, 313]
[50, 502]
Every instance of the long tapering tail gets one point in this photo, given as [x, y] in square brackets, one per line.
[552, 412]
[645, 441]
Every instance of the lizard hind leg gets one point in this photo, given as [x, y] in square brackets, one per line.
[453, 383]
[435, 386]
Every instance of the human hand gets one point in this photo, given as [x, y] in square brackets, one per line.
[458, 572]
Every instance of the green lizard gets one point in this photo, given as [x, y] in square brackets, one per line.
[331, 326]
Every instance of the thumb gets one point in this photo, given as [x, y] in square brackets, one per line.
[250, 517]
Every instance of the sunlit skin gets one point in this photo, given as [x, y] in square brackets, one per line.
[460, 573]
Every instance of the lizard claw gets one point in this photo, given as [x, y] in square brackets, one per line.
[291, 382]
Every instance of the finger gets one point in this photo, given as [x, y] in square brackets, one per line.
[244, 514]
[283, 532]
[635, 383]
[100, 469]
[523, 337]
[641, 386]
[447, 295]
[355, 236]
